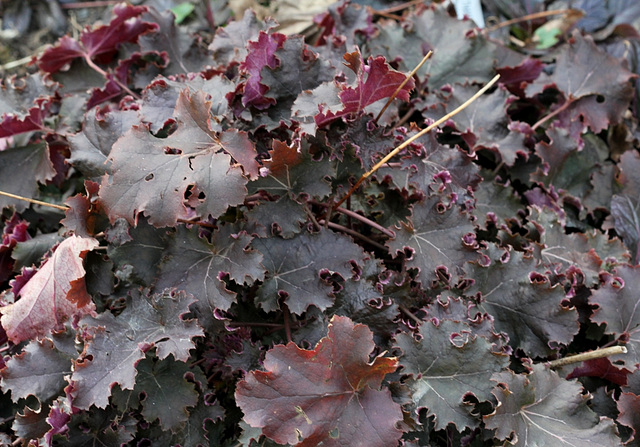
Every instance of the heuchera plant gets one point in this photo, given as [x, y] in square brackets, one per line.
[196, 284]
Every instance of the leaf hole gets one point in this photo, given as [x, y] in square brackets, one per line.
[600, 99]
[149, 177]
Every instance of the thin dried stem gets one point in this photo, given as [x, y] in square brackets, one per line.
[556, 112]
[416, 136]
[409, 76]
[400, 7]
[355, 234]
[361, 218]
[36, 202]
[536, 15]
[410, 314]
[93, 4]
[597, 354]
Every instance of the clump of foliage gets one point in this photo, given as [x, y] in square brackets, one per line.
[198, 285]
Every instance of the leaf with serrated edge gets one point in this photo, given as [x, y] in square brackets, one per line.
[115, 344]
[294, 266]
[341, 403]
[541, 408]
[197, 266]
[522, 302]
[618, 307]
[151, 175]
[438, 236]
[40, 369]
[447, 365]
[168, 394]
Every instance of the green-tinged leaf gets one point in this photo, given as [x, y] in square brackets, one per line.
[191, 157]
[182, 11]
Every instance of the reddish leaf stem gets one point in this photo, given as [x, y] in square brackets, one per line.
[287, 322]
[559, 110]
[105, 75]
[209, 14]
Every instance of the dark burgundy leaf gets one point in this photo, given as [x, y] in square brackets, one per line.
[617, 300]
[342, 403]
[199, 267]
[602, 368]
[522, 302]
[381, 82]
[41, 368]
[435, 235]
[283, 217]
[629, 407]
[142, 251]
[361, 299]
[294, 267]
[595, 84]
[517, 78]
[541, 408]
[91, 147]
[115, 345]
[168, 396]
[292, 170]
[14, 231]
[58, 420]
[189, 157]
[484, 123]
[230, 42]
[185, 55]
[33, 120]
[447, 365]
[304, 71]
[460, 53]
[103, 41]
[261, 54]
[587, 251]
